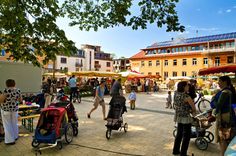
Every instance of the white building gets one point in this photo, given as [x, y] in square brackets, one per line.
[89, 58]
[96, 60]
[72, 63]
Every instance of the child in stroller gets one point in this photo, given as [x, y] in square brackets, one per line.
[63, 101]
[52, 125]
[114, 118]
[201, 123]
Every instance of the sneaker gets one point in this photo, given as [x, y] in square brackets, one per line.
[11, 143]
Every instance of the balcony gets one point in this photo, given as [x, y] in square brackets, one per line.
[224, 49]
[78, 64]
[97, 66]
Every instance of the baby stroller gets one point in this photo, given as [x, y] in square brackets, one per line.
[114, 118]
[63, 101]
[201, 123]
[52, 127]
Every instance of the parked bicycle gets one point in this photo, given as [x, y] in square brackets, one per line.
[202, 103]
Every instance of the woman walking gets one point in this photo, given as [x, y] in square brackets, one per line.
[183, 105]
[99, 99]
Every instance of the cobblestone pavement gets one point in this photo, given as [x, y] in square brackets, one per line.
[149, 133]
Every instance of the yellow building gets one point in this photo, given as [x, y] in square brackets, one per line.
[184, 57]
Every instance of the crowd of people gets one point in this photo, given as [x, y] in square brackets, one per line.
[183, 103]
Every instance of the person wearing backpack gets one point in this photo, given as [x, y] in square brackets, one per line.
[99, 99]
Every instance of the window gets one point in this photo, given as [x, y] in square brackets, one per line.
[174, 62]
[149, 63]
[63, 60]
[227, 44]
[217, 61]
[184, 49]
[149, 73]
[166, 62]
[157, 62]
[194, 61]
[194, 74]
[174, 74]
[157, 73]
[177, 49]
[108, 64]
[180, 49]
[201, 47]
[96, 62]
[165, 75]
[189, 48]
[184, 73]
[232, 44]
[142, 64]
[205, 61]
[184, 62]
[230, 59]
[173, 50]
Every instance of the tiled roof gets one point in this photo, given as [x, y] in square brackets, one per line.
[182, 41]
[138, 55]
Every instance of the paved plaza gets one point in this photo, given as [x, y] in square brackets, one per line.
[149, 133]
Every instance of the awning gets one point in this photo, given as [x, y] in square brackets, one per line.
[219, 69]
[95, 73]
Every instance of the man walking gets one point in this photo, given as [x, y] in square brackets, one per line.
[73, 87]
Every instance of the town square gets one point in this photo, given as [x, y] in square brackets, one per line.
[118, 77]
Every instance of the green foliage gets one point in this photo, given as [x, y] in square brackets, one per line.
[92, 14]
[28, 28]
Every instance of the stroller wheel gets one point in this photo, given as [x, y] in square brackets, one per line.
[108, 134]
[35, 143]
[69, 132]
[201, 143]
[174, 132]
[209, 136]
[125, 127]
[59, 145]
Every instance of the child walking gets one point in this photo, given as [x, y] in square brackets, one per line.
[169, 100]
[132, 98]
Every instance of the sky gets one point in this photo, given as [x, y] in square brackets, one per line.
[208, 17]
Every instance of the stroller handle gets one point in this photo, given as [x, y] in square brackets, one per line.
[203, 113]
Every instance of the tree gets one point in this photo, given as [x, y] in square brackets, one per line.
[28, 28]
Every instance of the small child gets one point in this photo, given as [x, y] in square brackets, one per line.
[132, 98]
[169, 100]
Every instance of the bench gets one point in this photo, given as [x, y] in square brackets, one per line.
[30, 121]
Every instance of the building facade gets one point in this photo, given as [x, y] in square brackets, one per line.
[96, 60]
[121, 64]
[184, 57]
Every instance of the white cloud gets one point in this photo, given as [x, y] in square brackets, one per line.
[234, 7]
[228, 10]
[198, 9]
